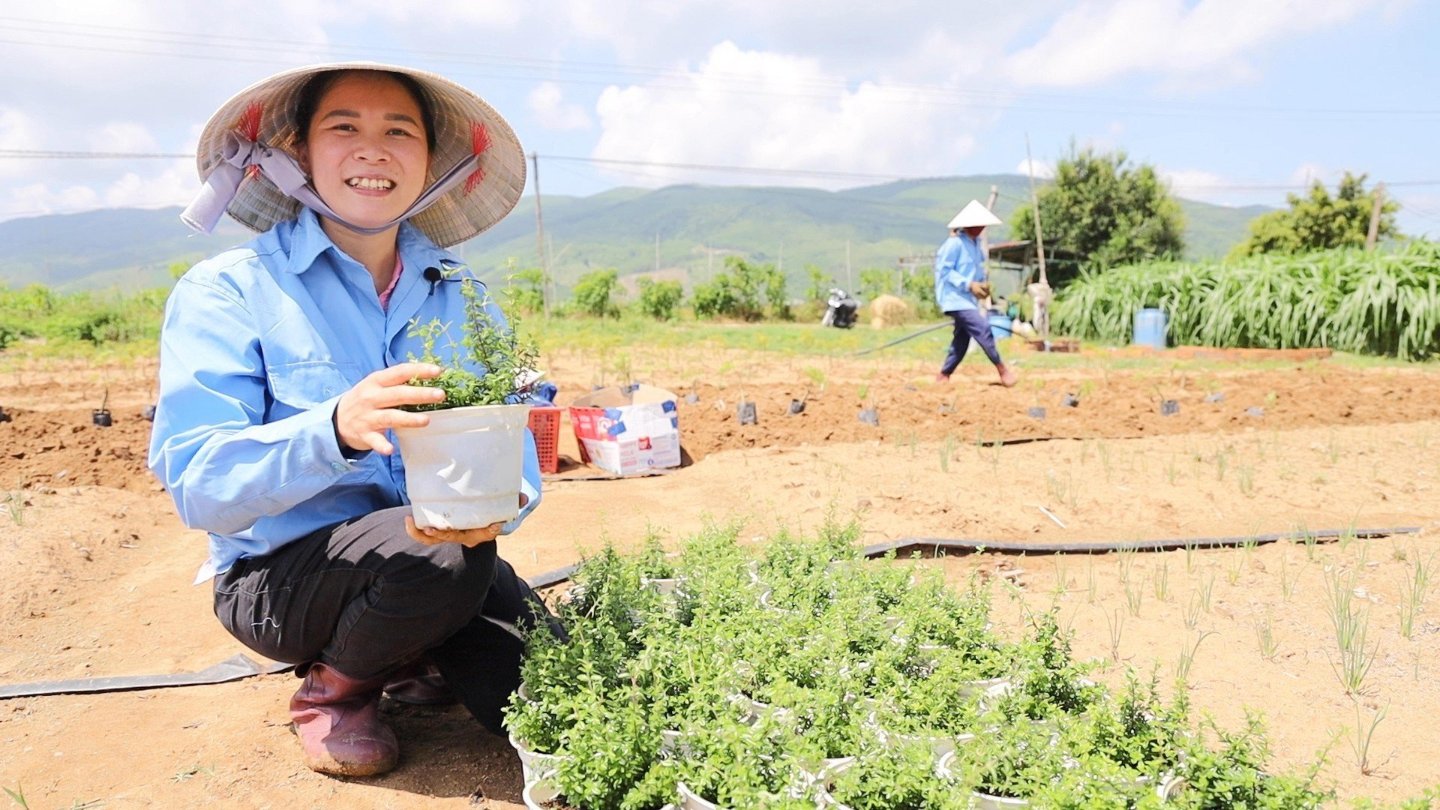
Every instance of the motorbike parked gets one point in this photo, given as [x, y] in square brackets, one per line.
[840, 310]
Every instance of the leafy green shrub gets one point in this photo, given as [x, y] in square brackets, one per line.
[742, 291]
[525, 291]
[594, 291]
[8, 334]
[659, 299]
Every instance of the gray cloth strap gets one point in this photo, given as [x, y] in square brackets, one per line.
[239, 154]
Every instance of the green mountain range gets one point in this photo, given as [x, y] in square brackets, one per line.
[681, 232]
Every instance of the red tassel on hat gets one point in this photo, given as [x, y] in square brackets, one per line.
[249, 123]
[479, 142]
[249, 128]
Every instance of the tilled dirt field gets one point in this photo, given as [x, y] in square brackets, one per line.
[98, 567]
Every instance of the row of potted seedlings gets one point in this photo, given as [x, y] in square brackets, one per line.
[796, 674]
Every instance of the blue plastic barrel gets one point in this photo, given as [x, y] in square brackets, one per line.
[999, 325]
[1150, 326]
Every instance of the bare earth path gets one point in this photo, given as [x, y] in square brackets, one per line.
[97, 568]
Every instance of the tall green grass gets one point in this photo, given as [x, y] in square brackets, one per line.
[1347, 300]
[82, 322]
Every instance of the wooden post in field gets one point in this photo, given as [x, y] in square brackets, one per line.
[545, 292]
[1035, 209]
[1040, 290]
[1374, 234]
[990, 206]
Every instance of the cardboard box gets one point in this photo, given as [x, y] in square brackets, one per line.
[627, 430]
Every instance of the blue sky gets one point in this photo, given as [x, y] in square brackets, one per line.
[1233, 101]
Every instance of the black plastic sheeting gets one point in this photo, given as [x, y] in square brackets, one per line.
[240, 667]
[231, 669]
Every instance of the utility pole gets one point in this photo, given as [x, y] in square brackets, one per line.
[849, 286]
[1039, 291]
[1374, 233]
[657, 251]
[1035, 209]
[990, 206]
[546, 292]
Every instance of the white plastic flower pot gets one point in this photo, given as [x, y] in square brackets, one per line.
[690, 800]
[540, 793]
[464, 469]
[533, 764]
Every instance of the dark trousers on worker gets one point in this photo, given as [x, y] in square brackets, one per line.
[364, 598]
[970, 324]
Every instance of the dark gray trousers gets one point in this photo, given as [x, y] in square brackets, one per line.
[365, 599]
[970, 324]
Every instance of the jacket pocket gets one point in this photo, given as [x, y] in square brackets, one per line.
[304, 385]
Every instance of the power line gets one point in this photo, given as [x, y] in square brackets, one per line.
[760, 170]
[53, 154]
[585, 73]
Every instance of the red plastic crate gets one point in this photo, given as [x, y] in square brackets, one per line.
[545, 424]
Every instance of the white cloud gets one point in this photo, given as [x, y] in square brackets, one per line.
[1099, 40]
[174, 184]
[37, 199]
[1197, 184]
[450, 13]
[1307, 173]
[1042, 169]
[750, 108]
[17, 131]
[122, 136]
[547, 103]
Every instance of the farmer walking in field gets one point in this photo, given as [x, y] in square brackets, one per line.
[960, 285]
[283, 368]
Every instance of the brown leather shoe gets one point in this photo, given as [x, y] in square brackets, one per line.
[337, 720]
[419, 685]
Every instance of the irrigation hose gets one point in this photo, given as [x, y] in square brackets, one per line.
[239, 666]
[910, 336]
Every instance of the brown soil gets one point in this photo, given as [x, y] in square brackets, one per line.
[98, 567]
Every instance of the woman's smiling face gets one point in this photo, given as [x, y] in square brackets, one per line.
[365, 148]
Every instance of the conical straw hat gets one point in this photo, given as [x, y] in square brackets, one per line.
[464, 211]
[974, 215]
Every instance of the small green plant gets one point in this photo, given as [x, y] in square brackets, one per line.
[1117, 627]
[1162, 582]
[1187, 656]
[1246, 479]
[1412, 593]
[15, 507]
[1134, 595]
[1192, 611]
[947, 451]
[18, 796]
[488, 362]
[1265, 635]
[1364, 733]
[1355, 658]
[1287, 579]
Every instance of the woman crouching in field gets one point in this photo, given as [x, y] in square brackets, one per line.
[282, 369]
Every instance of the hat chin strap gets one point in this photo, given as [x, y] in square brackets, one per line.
[239, 154]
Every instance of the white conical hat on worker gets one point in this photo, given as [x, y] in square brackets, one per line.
[974, 215]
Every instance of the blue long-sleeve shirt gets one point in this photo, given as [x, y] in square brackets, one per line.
[257, 346]
[957, 263]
